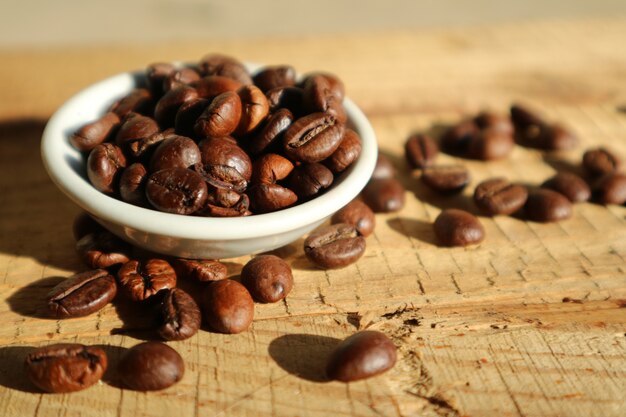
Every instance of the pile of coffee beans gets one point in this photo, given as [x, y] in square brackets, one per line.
[212, 139]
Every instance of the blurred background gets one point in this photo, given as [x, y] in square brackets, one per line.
[41, 23]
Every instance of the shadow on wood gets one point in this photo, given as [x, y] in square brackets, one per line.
[30, 300]
[303, 355]
[12, 374]
[417, 229]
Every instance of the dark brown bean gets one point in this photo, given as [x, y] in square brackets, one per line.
[82, 294]
[84, 224]
[221, 117]
[309, 180]
[254, 109]
[267, 197]
[180, 315]
[224, 151]
[268, 278]
[357, 214]
[214, 85]
[490, 144]
[348, 151]
[133, 184]
[135, 127]
[93, 134]
[610, 189]
[104, 166]
[167, 107]
[570, 185]
[200, 269]
[313, 138]
[600, 161]
[291, 98]
[499, 196]
[187, 115]
[102, 249]
[270, 168]
[227, 306]
[490, 120]
[457, 138]
[139, 100]
[334, 246]
[183, 76]
[523, 118]
[176, 190]
[151, 366]
[384, 168]
[156, 74]
[384, 195]
[274, 77]
[143, 147]
[421, 150]
[545, 205]
[446, 179]
[65, 367]
[271, 133]
[362, 355]
[140, 280]
[216, 64]
[175, 152]
[322, 91]
[454, 227]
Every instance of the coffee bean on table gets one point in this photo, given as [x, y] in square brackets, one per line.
[348, 151]
[104, 166]
[357, 214]
[334, 246]
[65, 367]
[558, 137]
[499, 196]
[102, 249]
[180, 315]
[600, 161]
[384, 195]
[446, 179]
[82, 294]
[457, 138]
[151, 366]
[490, 144]
[141, 280]
[227, 306]
[363, 355]
[454, 227]
[610, 189]
[268, 278]
[313, 138]
[420, 150]
[200, 269]
[176, 190]
[490, 120]
[570, 185]
[545, 205]
[93, 134]
[384, 168]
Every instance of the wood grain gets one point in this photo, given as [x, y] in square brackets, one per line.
[529, 323]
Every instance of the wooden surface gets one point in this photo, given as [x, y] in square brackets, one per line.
[481, 331]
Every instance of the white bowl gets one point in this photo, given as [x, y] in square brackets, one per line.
[188, 236]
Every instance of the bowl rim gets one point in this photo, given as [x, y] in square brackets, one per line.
[55, 147]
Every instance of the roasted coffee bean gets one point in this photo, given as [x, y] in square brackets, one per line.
[531, 130]
[545, 205]
[84, 224]
[225, 151]
[348, 151]
[291, 98]
[222, 177]
[176, 190]
[267, 197]
[309, 180]
[183, 76]
[362, 355]
[570, 185]
[215, 64]
[494, 121]
[384, 195]
[139, 100]
[187, 115]
[221, 117]
[268, 278]
[93, 134]
[490, 144]
[151, 366]
[180, 315]
[357, 214]
[104, 166]
[420, 150]
[156, 74]
[141, 280]
[175, 152]
[323, 93]
[133, 184]
[200, 269]
[142, 148]
[82, 294]
[270, 168]
[454, 227]
[274, 77]
[65, 367]
[446, 179]
[457, 138]
[271, 133]
[384, 168]
[102, 249]
[313, 138]
[214, 85]
[523, 118]
[334, 246]
[238, 210]
[558, 137]
[167, 107]
[135, 127]
[610, 189]
[254, 109]
[499, 196]
[600, 161]
[227, 306]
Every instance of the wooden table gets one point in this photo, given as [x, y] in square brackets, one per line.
[481, 331]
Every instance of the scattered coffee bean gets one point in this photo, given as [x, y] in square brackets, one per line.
[65, 367]
[93, 134]
[141, 280]
[446, 179]
[200, 269]
[610, 189]
[363, 355]
[570, 185]
[457, 138]
[421, 151]
[490, 144]
[334, 246]
[151, 366]
[176, 190]
[180, 315]
[357, 214]
[384, 195]
[454, 227]
[227, 306]
[497, 122]
[545, 205]
[104, 166]
[499, 196]
[82, 294]
[102, 249]
[600, 161]
[268, 278]
[533, 131]
[384, 168]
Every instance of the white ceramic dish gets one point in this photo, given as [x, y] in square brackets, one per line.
[188, 236]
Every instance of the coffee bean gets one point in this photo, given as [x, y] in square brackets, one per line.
[558, 137]
[570, 185]
[266, 197]
[275, 77]
[268, 278]
[214, 85]
[531, 130]
[523, 118]
[610, 189]
[227, 306]
[93, 134]
[334, 246]
[499, 196]
[600, 161]
[309, 180]
[167, 107]
[139, 100]
[141, 280]
[357, 214]
[84, 224]
[224, 151]
[348, 151]
[102, 249]
[156, 74]
[135, 127]
[455, 227]
[290, 98]
[200, 269]
[183, 76]
[175, 152]
[362, 355]
[324, 93]
[270, 168]
[180, 315]
[225, 66]
[222, 178]
[254, 109]
[151, 366]
[271, 133]
[420, 150]
[221, 117]
[187, 115]
[82, 294]
[313, 138]
[490, 144]
[446, 179]
[490, 120]
[142, 148]
[104, 166]
[457, 138]
[384, 168]
[176, 190]
[384, 195]
[133, 184]
[545, 205]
